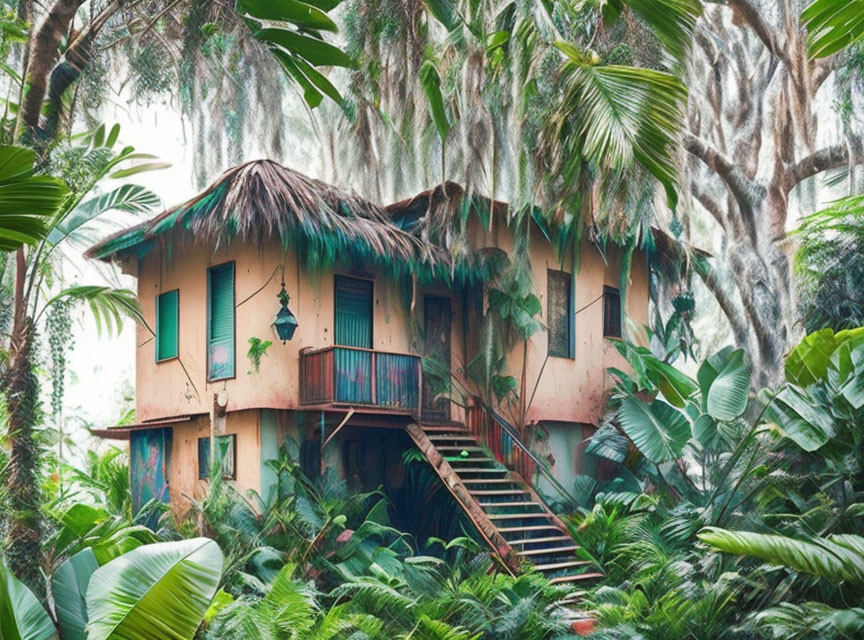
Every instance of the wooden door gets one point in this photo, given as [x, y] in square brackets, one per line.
[437, 323]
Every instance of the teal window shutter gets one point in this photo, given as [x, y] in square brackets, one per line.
[167, 325]
[220, 322]
[353, 312]
[226, 453]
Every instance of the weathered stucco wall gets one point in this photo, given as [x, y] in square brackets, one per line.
[183, 477]
[572, 389]
[180, 386]
[569, 389]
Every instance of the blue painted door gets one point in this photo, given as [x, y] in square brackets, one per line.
[149, 451]
[353, 329]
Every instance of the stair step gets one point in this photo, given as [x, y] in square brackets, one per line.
[460, 459]
[518, 516]
[457, 448]
[576, 577]
[561, 565]
[539, 540]
[443, 428]
[549, 551]
[498, 492]
[481, 470]
[488, 480]
[550, 527]
[509, 505]
[456, 436]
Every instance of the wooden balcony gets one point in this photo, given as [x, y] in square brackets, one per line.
[363, 378]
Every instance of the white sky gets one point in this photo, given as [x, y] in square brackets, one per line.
[100, 366]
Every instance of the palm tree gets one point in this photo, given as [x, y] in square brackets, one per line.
[31, 299]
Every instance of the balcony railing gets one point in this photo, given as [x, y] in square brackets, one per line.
[352, 376]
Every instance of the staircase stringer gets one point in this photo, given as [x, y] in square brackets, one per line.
[469, 505]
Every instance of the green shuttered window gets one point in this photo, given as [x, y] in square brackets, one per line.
[220, 322]
[353, 312]
[167, 325]
[226, 453]
[559, 290]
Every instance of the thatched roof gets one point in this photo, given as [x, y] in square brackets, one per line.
[439, 217]
[442, 207]
[263, 199]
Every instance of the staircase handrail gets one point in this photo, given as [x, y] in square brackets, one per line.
[516, 438]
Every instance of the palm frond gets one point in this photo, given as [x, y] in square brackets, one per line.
[833, 25]
[837, 558]
[27, 201]
[108, 305]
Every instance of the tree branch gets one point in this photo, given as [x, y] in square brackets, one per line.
[708, 203]
[69, 70]
[730, 310]
[747, 13]
[828, 158]
[44, 53]
[739, 184]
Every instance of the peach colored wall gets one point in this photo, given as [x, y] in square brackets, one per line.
[183, 467]
[180, 386]
[572, 389]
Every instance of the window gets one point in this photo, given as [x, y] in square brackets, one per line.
[353, 312]
[226, 451]
[559, 289]
[611, 312]
[220, 322]
[167, 325]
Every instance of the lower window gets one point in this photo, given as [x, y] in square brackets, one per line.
[226, 453]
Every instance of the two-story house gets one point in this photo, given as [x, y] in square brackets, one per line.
[384, 312]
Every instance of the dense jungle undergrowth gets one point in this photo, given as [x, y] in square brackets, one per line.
[716, 512]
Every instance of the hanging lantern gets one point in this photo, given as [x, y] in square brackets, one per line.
[285, 323]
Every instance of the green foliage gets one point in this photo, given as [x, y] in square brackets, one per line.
[832, 25]
[657, 429]
[293, 34]
[60, 341]
[621, 115]
[672, 20]
[21, 615]
[167, 586]
[108, 305]
[724, 380]
[773, 477]
[431, 82]
[27, 201]
[829, 265]
[838, 558]
[257, 350]
[820, 352]
[69, 589]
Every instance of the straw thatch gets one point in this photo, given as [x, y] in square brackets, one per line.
[262, 200]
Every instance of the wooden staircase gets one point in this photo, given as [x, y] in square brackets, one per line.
[507, 512]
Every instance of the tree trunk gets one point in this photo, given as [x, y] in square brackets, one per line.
[44, 53]
[750, 137]
[22, 547]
